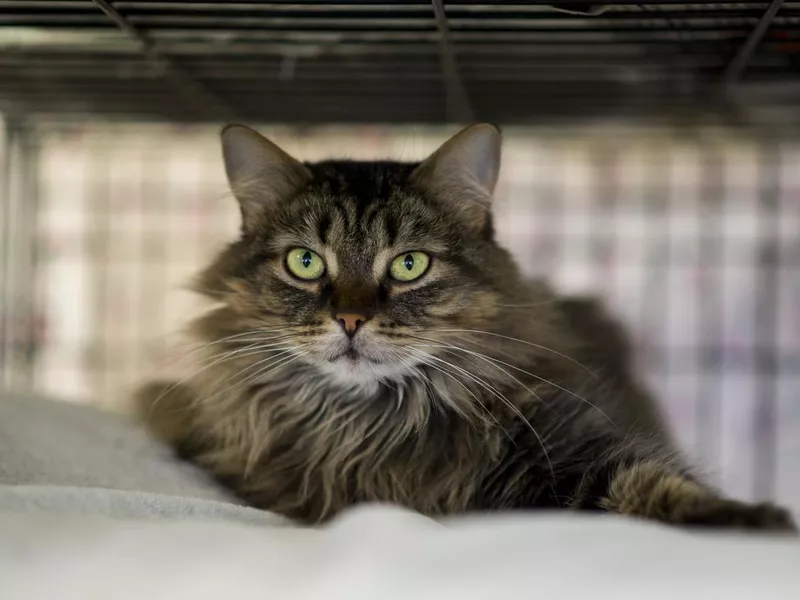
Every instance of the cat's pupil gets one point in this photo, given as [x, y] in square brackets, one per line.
[408, 261]
[306, 260]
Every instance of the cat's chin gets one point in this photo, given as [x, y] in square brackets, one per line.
[362, 374]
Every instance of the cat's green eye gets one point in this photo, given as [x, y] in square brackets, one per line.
[409, 266]
[304, 263]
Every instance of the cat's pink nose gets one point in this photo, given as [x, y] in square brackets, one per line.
[350, 322]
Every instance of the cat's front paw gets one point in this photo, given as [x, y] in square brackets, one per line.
[724, 513]
[649, 490]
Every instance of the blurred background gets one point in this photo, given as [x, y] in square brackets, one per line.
[651, 157]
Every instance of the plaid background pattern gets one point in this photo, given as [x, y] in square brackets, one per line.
[693, 240]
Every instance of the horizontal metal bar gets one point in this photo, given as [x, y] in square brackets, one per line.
[77, 73]
[416, 95]
[399, 114]
[505, 37]
[324, 78]
[382, 64]
[194, 51]
[192, 22]
[291, 109]
[323, 5]
[566, 115]
[278, 15]
[386, 10]
[260, 64]
[310, 43]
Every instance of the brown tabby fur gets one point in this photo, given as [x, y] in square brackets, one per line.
[495, 393]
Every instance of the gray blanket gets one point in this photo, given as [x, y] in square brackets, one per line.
[62, 458]
[56, 443]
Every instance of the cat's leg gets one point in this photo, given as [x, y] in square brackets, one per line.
[637, 477]
[654, 491]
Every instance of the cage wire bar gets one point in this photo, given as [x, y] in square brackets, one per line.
[19, 245]
[6, 215]
[199, 97]
[413, 62]
[738, 64]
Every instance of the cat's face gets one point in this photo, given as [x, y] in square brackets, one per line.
[359, 268]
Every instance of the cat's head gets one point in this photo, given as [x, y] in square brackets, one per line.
[362, 268]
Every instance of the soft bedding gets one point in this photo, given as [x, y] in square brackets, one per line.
[59, 444]
[380, 553]
[90, 507]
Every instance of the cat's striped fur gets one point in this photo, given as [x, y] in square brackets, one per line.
[474, 391]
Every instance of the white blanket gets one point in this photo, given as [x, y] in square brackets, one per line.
[380, 553]
[90, 508]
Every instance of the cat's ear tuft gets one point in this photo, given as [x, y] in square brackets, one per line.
[464, 170]
[258, 171]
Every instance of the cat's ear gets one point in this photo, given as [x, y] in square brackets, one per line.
[463, 171]
[259, 172]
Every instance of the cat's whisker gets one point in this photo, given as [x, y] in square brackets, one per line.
[532, 305]
[222, 387]
[264, 371]
[431, 388]
[238, 353]
[207, 364]
[261, 372]
[542, 379]
[527, 343]
[495, 361]
[416, 372]
[471, 393]
[250, 349]
[503, 351]
[253, 455]
[472, 376]
[257, 331]
[233, 339]
[443, 394]
[453, 350]
[502, 398]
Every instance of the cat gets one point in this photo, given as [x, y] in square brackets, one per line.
[373, 342]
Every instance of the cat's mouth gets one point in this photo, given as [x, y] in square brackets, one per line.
[353, 356]
[362, 363]
[349, 354]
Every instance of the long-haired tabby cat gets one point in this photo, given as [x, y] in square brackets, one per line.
[374, 343]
